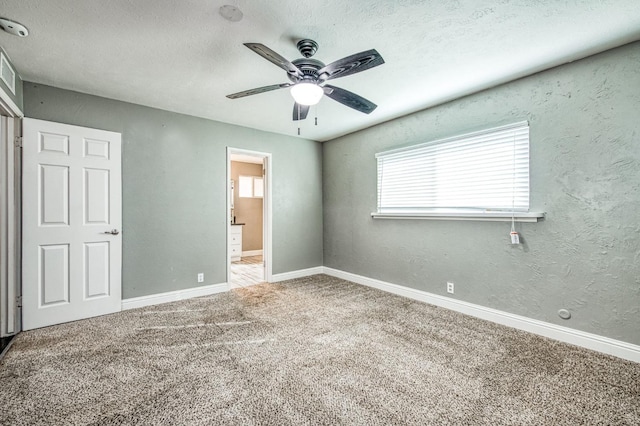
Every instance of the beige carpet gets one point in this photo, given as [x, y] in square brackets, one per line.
[312, 351]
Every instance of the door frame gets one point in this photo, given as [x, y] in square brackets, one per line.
[10, 215]
[267, 243]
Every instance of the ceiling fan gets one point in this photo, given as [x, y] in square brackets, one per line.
[308, 77]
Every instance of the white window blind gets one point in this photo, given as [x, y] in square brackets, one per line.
[477, 172]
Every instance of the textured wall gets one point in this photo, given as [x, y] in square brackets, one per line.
[174, 189]
[585, 173]
[248, 210]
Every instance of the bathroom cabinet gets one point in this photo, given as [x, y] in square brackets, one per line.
[235, 242]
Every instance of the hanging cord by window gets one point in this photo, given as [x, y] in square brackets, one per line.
[515, 238]
[380, 181]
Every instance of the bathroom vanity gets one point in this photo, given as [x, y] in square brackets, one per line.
[235, 241]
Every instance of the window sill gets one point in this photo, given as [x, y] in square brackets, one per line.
[487, 216]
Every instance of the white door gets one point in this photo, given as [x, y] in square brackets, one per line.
[71, 218]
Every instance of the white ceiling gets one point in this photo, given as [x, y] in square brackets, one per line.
[183, 56]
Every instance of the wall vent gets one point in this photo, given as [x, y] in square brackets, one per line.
[7, 74]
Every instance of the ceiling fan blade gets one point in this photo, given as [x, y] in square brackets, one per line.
[300, 111]
[275, 58]
[350, 65]
[349, 99]
[258, 90]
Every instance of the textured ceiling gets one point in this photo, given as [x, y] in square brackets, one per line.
[183, 56]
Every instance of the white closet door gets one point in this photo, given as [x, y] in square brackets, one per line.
[72, 216]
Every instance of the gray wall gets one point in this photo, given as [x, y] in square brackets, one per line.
[585, 173]
[174, 189]
[18, 96]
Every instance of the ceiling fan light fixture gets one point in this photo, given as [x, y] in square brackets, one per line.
[307, 93]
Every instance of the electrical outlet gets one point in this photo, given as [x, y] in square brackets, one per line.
[200, 277]
[450, 288]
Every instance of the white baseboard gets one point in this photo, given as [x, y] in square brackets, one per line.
[252, 253]
[173, 296]
[296, 274]
[564, 334]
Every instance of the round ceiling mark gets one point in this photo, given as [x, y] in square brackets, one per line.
[14, 28]
[230, 13]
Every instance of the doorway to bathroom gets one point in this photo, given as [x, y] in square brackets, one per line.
[248, 217]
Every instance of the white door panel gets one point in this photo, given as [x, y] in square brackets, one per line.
[49, 142]
[96, 269]
[54, 195]
[96, 203]
[54, 274]
[71, 200]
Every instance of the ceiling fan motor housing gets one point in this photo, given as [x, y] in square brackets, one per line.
[309, 68]
[307, 48]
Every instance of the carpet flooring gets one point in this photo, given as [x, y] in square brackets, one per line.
[311, 351]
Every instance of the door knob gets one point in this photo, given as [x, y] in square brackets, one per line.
[112, 232]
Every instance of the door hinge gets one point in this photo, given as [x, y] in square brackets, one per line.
[18, 141]
[19, 301]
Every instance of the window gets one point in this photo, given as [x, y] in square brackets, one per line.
[258, 187]
[482, 174]
[250, 187]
